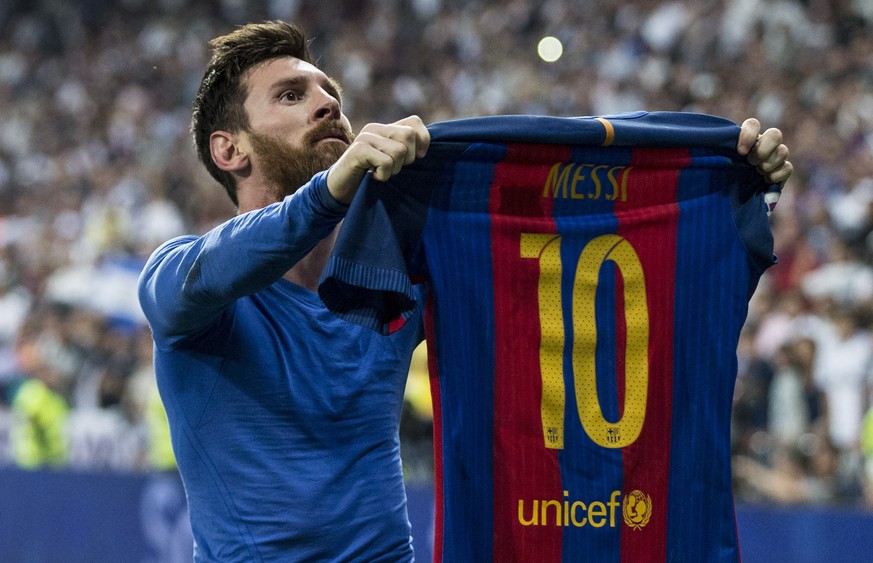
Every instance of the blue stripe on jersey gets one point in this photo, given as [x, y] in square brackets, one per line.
[588, 471]
[700, 453]
[458, 261]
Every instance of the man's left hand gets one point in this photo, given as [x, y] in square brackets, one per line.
[765, 151]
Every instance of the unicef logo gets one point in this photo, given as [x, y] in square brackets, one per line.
[637, 509]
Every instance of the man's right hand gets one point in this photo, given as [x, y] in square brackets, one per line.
[381, 148]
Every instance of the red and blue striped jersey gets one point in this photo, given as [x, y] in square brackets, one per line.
[588, 280]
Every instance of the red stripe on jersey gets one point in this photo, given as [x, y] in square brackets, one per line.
[396, 324]
[436, 401]
[523, 468]
[651, 193]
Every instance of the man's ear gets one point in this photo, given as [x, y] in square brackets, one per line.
[226, 152]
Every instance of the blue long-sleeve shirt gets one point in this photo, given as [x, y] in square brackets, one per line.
[284, 419]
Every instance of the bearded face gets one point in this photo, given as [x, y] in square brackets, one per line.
[287, 167]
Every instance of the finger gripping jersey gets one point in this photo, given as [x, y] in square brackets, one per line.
[589, 279]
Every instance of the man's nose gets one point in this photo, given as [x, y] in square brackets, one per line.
[327, 106]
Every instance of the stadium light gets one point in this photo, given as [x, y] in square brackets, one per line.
[550, 49]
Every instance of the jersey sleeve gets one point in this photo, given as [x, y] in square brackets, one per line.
[188, 281]
[750, 212]
[378, 258]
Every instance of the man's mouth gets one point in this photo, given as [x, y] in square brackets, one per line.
[333, 135]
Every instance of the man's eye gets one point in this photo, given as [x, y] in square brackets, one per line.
[290, 96]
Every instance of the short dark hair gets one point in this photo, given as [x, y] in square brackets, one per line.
[220, 98]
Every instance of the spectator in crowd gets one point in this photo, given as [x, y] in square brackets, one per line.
[795, 403]
[842, 370]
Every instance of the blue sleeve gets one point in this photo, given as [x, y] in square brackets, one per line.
[377, 260]
[753, 227]
[189, 281]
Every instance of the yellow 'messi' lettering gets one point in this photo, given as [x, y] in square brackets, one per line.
[567, 513]
[587, 181]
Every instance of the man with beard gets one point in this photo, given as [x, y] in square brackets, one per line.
[284, 419]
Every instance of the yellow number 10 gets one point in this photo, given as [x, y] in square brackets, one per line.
[547, 249]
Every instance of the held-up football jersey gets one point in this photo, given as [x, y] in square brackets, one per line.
[589, 279]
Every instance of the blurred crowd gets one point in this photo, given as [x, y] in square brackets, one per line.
[97, 168]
